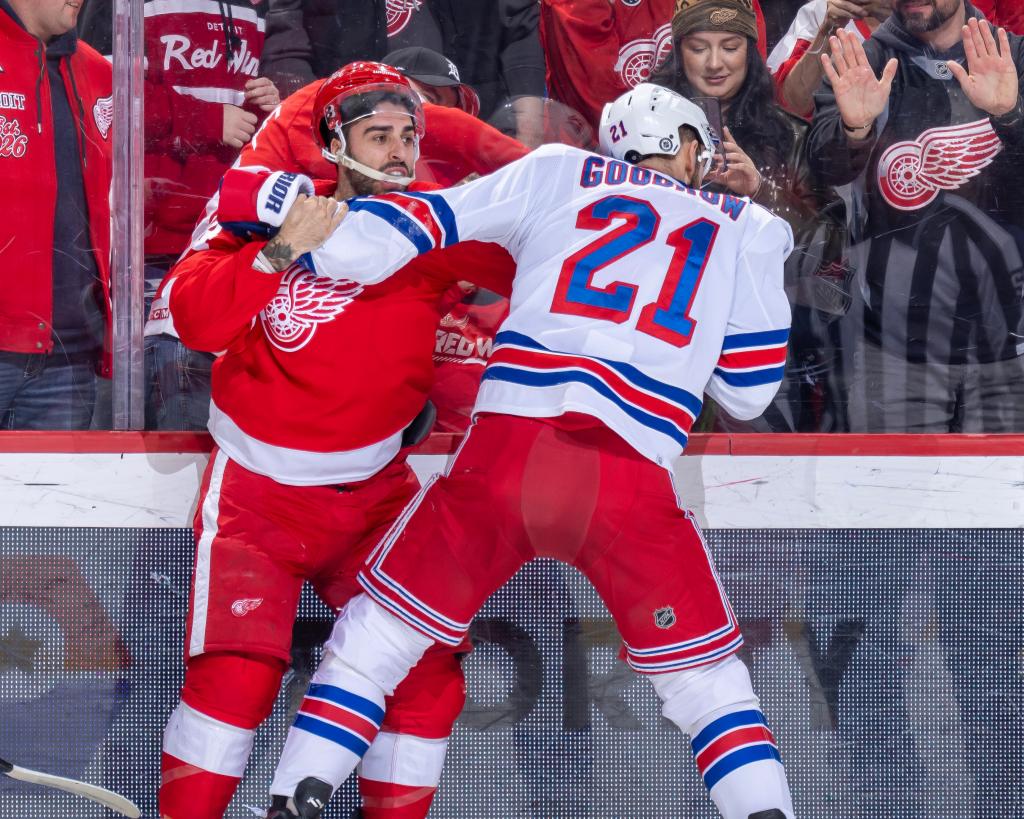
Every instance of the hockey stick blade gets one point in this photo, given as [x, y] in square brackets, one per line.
[93, 792]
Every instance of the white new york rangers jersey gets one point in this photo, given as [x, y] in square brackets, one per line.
[634, 295]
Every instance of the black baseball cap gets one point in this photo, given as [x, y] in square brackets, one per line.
[428, 67]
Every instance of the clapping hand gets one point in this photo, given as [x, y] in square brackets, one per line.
[990, 79]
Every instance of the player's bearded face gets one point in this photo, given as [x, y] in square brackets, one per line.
[385, 142]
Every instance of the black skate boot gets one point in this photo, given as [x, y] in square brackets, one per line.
[310, 799]
[774, 813]
[279, 808]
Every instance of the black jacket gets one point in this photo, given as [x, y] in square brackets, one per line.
[937, 205]
[494, 43]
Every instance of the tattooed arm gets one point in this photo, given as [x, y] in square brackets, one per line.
[214, 293]
[308, 224]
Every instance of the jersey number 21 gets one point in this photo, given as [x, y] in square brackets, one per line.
[668, 318]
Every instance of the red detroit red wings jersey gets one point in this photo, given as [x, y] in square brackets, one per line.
[319, 375]
[465, 340]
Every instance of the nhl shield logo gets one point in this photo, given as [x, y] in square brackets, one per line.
[665, 617]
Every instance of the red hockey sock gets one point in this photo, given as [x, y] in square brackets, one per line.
[189, 792]
[209, 735]
[386, 800]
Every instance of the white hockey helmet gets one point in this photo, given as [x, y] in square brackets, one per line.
[646, 121]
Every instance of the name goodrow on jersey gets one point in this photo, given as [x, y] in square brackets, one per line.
[599, 171]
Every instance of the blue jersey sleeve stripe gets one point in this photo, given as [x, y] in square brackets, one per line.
[398, 219]
[755, 339]
[675, 394]
[737, 719]
[754, 378]
[339, 696]
[549, 379]
[332, 733]
[445, 214]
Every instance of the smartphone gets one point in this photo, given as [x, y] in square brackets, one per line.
[712, 108]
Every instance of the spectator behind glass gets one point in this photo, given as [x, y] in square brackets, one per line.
[795, 62]
[204, 101]
[56, 110]
[715, 55]
[494, 42]
[596, 50]
[935, 148]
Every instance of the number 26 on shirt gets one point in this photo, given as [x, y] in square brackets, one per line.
[668, 318]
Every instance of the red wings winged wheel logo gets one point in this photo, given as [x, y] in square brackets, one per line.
[911, 174]
[303, 302]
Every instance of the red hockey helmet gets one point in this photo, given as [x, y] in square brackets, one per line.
[354, 92]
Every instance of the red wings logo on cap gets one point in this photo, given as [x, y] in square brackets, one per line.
[303, 302]
[911, 174]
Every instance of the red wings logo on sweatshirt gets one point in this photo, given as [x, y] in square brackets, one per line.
[911, 174]
[638, 58]
[103, 113]
[303, 302]
[399, 13]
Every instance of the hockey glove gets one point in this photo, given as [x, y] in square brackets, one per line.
[256, 200]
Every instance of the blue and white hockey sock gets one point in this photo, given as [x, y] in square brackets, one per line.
[739, 761]
[367, 655]
[333, 728]
[732, 746]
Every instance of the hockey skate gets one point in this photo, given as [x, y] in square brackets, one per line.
[311, 797]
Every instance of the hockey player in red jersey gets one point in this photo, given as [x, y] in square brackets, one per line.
[635, 295]
[308, 472]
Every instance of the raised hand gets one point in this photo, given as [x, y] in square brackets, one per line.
[860, 95]
[310, 221]
[990, 80]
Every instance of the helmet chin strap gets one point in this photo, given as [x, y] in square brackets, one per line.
[366, 170]
[341, 158]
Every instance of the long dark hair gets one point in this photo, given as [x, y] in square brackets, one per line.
[753, 118]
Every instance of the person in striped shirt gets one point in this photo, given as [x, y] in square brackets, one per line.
[925, 124]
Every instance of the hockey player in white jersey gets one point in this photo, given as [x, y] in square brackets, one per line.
[636, 294]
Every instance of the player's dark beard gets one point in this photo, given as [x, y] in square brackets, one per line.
[917, 25]
[364, 186]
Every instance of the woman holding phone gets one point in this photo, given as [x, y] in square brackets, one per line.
[715, 62]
